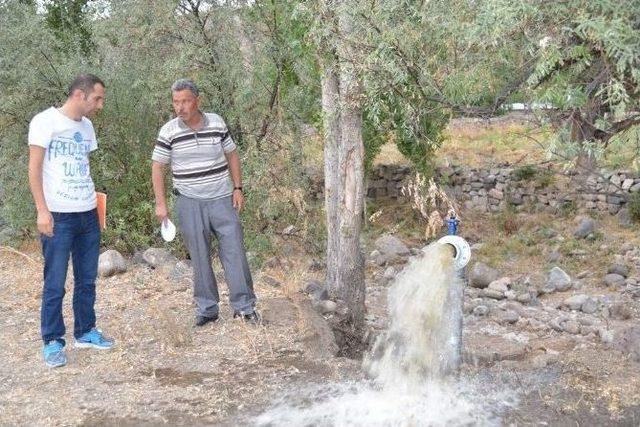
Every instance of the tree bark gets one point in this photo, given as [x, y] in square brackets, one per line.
[344, 171]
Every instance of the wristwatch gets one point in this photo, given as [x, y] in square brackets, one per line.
[238, 188]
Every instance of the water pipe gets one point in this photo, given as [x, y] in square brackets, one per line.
[461, 249]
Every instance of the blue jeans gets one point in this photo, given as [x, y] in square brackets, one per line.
[77, 235]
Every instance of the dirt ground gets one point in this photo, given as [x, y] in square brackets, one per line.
[162, 371]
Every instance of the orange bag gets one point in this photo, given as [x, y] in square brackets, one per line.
[101, 199]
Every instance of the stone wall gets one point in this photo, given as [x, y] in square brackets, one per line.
[521, 187]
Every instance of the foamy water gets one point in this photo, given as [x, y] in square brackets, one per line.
[408, 365]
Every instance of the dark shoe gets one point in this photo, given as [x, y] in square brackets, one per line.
[203, 320]
[252, 317]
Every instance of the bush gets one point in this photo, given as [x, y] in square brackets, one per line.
[633, 204]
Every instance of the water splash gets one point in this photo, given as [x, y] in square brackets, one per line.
[408, 366]
[425, 309]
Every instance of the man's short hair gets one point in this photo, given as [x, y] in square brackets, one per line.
[185, 84]
[85, 82]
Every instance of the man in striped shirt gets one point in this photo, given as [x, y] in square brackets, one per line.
[207, 179]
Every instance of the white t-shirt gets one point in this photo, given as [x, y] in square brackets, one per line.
[66, 179]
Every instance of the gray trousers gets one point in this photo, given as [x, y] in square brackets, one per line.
[198, 220]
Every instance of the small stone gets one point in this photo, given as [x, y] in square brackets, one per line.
[271, 281]
[389, 273]
[620, 311]
[481, 275]
[589, 306]
[559, 279]
[111, 262]
[493, 294]
[524, 297]
[614, 280]
[571, 326]
[587, 226]
[606, 336]
[327, 307]
[575, 302]
[481, 310]
[501, 285]
[289, 230]
[620, 269]
[158, 257]
[554, 256]
[509, 316]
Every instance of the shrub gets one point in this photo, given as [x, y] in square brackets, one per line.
[633, 204]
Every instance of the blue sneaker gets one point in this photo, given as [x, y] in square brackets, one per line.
[94, 339]
[54, 355]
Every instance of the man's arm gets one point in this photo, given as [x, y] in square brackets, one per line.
[44, 219]
[157, 178]
[233, 159]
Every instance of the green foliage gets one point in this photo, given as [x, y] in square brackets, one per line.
[524, 173]
[633, 204]
[68, 21]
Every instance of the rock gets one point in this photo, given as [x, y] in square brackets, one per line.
[606, 335]
[620, 311]
[627, 341]
[316, 290]
[391, 245]
[481, 310]
[587, 226]
[583, 274]
[158, 257]
[558, 279]
[554, 256]
[511, 295]
[624, 218]
[493, 294]
[181, 270]
[509, 316]
[326, 307]
[620, 269]
[501, 284]
[274, 283]
[575, 302]
[111, 262]
[481, 275]
[315, 265]
[524, 297]
[571, 326]
[614, 280]
[289, 230]
[589, 306]
[389, 273]
[555, 325]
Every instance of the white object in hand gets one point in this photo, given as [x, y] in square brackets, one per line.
[168, 230]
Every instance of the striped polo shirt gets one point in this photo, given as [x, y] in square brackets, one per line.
[197, 159]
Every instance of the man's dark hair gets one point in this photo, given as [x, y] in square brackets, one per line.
[85, 82]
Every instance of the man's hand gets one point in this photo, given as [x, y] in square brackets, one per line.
[45, 223]
[238, 200]
[161, 212]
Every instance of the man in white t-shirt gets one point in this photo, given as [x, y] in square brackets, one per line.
[60, 140]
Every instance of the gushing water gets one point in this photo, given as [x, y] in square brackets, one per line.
[424, 337]
[409, 364]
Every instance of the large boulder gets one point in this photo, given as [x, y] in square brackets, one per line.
[482, 275]
[111, 262]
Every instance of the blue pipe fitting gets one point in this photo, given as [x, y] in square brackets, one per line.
[452, 225]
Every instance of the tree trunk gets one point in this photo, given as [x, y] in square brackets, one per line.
[344, 173]
[332, 135]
